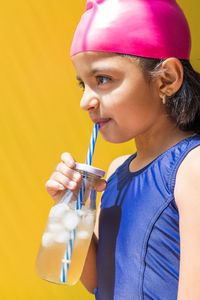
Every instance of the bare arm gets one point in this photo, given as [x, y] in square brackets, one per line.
[187, 196]
[89, 274]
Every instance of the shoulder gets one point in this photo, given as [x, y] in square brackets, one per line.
[187, 197]
[115, 164]
[188, 176]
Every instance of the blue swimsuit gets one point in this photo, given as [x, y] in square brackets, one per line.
[139, 244]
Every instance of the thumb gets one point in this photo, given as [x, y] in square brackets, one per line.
[101, 185]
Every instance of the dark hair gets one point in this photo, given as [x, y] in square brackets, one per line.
[184, 106]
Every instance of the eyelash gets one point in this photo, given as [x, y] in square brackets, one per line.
[81, 85]
[99, 78]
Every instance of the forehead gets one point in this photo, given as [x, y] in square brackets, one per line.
[93, 60]
[92, 56]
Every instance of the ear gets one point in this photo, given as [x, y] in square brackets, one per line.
[171, 77]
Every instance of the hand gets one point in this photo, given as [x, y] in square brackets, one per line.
[65, 177]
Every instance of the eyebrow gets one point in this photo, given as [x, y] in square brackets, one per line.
[97, 70]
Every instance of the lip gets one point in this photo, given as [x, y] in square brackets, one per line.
[101, 121]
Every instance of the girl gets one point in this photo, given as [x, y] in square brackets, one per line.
[132, 60]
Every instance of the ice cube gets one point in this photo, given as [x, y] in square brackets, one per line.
[71, 220]
[83, 234]
[72, 204]
[55, 227]
[47, 239]
[58, 210]
[89, 219]
[81, 212]
[62, 237]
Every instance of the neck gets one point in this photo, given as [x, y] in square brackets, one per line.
[156, 141]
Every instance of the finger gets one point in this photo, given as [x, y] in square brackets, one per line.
[69, 173]
[68, 159]
[66, 182]
[101, 185]
[55, 189]
[52, 185]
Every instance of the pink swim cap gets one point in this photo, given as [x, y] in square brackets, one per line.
[149, 28]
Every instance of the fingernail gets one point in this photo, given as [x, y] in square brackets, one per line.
[61, 187]
[76, 176]
[71, 184]
[71, 163]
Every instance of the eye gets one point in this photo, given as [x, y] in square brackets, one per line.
[101, 79]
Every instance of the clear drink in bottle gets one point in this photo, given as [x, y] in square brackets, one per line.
[69, 230]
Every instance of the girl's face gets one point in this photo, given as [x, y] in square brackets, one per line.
[117, 95]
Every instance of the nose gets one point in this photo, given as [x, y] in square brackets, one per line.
[90, 100]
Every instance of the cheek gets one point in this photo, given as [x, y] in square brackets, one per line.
[132, 98]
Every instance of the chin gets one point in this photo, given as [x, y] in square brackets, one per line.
[115, 139]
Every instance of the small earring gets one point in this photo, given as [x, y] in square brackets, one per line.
[164, 99]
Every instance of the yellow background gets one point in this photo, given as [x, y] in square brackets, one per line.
[39, 119]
